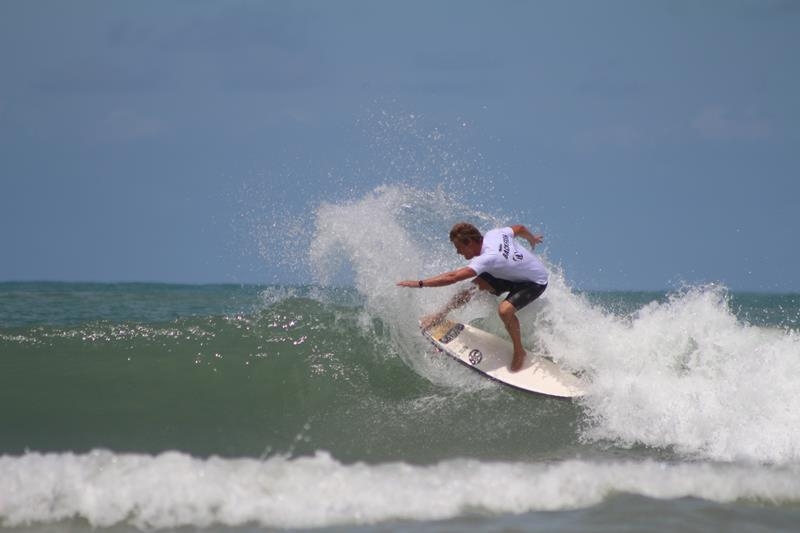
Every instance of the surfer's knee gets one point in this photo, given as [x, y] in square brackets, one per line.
[506, 311]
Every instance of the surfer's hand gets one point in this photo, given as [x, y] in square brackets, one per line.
[408, 283]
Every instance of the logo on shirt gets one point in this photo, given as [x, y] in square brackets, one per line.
[518, 256]
[506, 247]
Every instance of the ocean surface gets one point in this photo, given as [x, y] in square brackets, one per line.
[261, 408]
[320, 407]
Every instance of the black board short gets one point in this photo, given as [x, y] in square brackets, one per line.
[520, 293]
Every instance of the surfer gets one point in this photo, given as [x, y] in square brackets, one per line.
[497, 265]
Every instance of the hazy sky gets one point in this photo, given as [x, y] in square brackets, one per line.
[654, 143]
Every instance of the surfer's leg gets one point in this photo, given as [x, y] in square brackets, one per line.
[521, 295]
[508, 314]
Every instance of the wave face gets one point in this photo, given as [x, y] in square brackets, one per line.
[286, 370]
[681, 371]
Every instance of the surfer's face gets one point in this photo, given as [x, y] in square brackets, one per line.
[468, 250]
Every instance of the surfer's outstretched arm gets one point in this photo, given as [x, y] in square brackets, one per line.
[442, 280]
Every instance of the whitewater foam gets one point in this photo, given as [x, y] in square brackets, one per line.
[175, 490]
[684, 373]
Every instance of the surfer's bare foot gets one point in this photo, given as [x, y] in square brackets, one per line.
[516, 362]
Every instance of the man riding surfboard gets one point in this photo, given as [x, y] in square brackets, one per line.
[497, 265]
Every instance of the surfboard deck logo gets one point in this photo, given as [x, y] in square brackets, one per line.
[475, 356]
[491, 356]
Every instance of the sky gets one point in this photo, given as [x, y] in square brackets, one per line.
[655, 143]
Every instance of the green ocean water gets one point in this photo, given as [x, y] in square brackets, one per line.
[216, 370]
[153, 406]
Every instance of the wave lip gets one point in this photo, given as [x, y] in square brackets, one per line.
[174, 489]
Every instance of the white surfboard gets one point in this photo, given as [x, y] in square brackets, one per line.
[491, 355]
